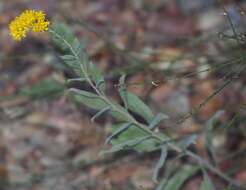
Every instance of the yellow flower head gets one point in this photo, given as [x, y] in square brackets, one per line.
[26, 21]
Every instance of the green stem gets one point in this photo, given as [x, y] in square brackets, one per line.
[144, 127]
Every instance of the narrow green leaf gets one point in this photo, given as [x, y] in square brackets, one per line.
[186, 142]
[78, 47]
[169, 171]
[160, 163]
[136, 105]
[73, 49]
[96, 102]
[74, 64]
[132, 133]
[126, 145]
[207, 183]
[180, 177]
[123, 90]
[158, 118]
[75, 80]
[85, 61]
[68, 57]
[97, 77]
[61, 31]
[98, 114]
[100, 84]
[209, 136]
[121, 129]
[89, 99]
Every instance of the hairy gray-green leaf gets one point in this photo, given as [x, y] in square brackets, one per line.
[160, 163]
[74, 64]
[98, 114]
[73, 49]
[134, 133]
[97, 77]
[64, 38]
[180, 177]
[169, 171]
[75, 80]
[209, 135]
[157, 119]
[128, 144]
[207, 183]
[123, 90]
[187, 141]
[120, 130]
[78, 47]
[61, 31]
[89, 99]
[96, 102]
[136, 105]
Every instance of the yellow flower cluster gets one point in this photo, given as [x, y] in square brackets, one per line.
[26, 21]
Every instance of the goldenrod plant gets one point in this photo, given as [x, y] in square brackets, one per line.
[26, 21]
[127, 132]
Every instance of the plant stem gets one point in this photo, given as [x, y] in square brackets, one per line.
[144, 127]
